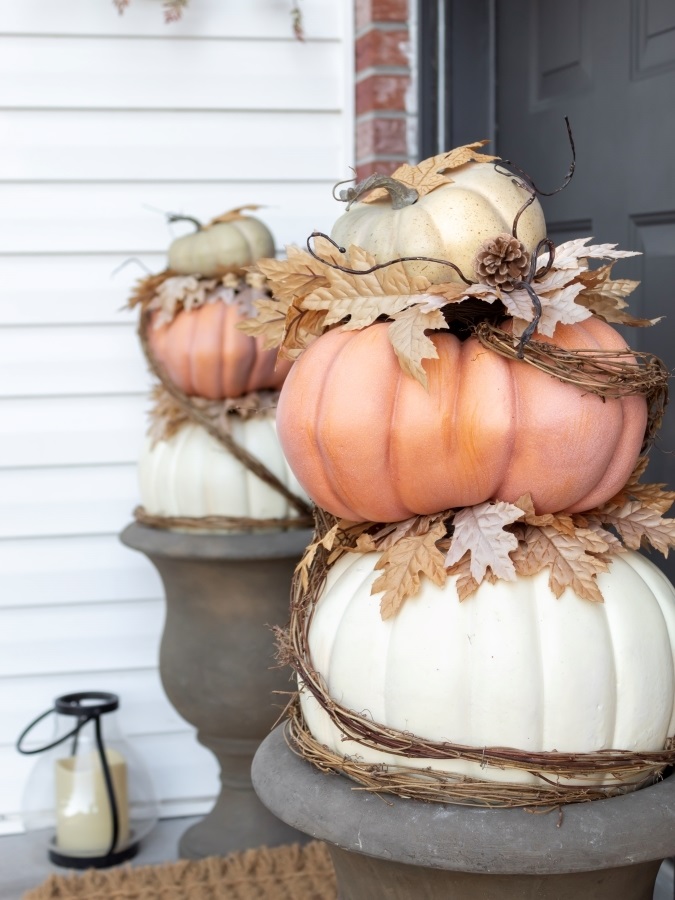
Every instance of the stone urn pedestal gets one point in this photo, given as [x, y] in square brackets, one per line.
[217, 665]
[387, 847]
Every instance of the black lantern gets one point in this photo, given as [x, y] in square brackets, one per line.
[93, 799]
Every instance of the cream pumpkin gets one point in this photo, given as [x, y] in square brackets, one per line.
[215, 248]
[206, 355]
[367, 442]
[511, 666]
[192, 474]
[449, 223]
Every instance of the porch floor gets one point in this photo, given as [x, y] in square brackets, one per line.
[24, 864]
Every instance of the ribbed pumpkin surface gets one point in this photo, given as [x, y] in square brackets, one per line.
[367, 442]
[450, 223]
[205, 355]
[511, 666]
[191, 474]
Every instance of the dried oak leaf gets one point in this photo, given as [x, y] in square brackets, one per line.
[232, 215]
[389, 534]
[571, 253]
[559, 521]
[268, 323]
[302, 328]
[604, 296]
[186, 291]
[407, 334]
[651, 495]
[303, 567]
[465, 584]
[636, 523]
[558, 305]
[403, 565]
[428, 175]
[480, 530]
[296, 276]
[571, 566]
[362, 299]
[454, 292]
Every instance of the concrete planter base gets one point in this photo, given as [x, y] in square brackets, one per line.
[403, 849]
[223, 592]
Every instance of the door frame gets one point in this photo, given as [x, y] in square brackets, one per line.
[456, 53]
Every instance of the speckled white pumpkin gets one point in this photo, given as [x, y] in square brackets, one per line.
[511, 666]
[192, 474]
[449, 223]
[238, 242]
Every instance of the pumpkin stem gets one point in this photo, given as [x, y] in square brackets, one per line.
[176, 217]
[401, 195]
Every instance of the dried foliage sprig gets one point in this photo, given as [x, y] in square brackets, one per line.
[173, 12]
[332, 287]
[168, 293]
[498, 540]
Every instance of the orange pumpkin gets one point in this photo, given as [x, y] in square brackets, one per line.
[205, 355]
[367, 442]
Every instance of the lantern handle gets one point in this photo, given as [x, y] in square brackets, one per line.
[81, 722]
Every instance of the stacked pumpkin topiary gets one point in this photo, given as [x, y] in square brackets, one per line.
[212, 460]
[473, 621]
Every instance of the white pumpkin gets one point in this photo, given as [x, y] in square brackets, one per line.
[449, 223]
[511, 666]
[213, 248]
[192, 474]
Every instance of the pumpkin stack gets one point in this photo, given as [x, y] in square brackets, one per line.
[472, 622]
[212, 460]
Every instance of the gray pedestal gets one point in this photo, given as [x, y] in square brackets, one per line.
[387, 847]
[223, 594]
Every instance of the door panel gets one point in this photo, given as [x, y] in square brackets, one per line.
[610, 66]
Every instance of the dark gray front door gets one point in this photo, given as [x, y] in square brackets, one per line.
[610, 66]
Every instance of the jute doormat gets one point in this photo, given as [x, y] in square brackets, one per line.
[282, 873]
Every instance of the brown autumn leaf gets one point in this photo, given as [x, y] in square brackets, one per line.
[454, 291]
[464, 154]
[305, 563]
[480, 530]
[428, 175]
[294, 277]
[268, 323]
[653, 496]
[302, 328]
[362, 299]
[605, 297]
[407, 334]
[637, 523]
[559, 521]
[593, 524]
[571, 253]
[571, 566]
[403, 565]
[233, 214]
[465, 584]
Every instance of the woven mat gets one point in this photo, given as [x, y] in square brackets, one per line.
[282, 873]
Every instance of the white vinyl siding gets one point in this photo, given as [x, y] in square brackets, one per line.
[105, 122]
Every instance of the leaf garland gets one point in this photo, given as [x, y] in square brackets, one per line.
[502, 541]
[167, 293]
[311, 296]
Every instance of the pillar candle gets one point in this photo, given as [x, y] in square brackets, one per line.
[83, 815]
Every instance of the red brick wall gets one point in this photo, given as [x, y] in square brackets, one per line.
[382, 79]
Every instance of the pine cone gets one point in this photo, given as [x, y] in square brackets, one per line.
[501, 262]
